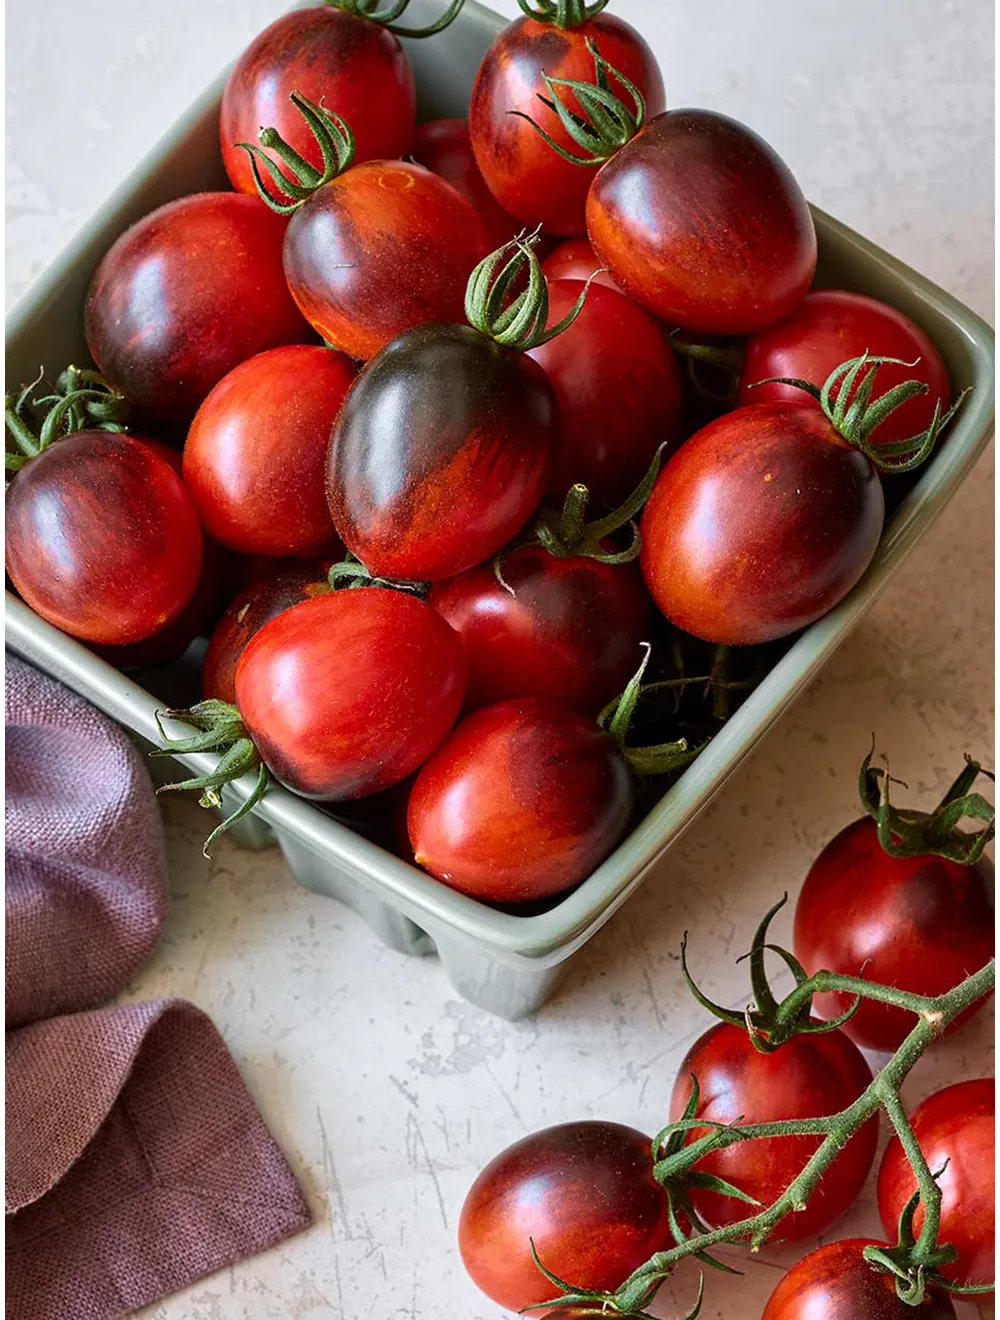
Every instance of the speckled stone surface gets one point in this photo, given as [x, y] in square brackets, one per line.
[387, 1092]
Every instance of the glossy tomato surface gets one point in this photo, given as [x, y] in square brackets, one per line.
[618, 387]
[352, 66]
[807, 1077]
[529, 179]
[255, 455]
[922, 924]
[576, 260]
[102, 538]
[443, 146]
[837, 1283]
[185, 295]
[442, 453]
[702, 223]
[523, 801]
[382, 248]
[349, 692]
[583, 1192]
[759, 524]
[956, 1130]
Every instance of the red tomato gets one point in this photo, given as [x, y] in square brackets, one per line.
[575, 260]
[354, 66]
[348, 693]
[922, 924]
[837, 1283]
[807, 1077]
[956, 1130]
[584, 1193]
[526, 176]
[256, 451]
[759, 524]
[702, 223]
[830, 327]
[618, 387]
[185, 295]
[523, 801]
[571, 631]
[102, 539]
[443, 146]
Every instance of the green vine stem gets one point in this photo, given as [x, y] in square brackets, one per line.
[386, 17]
[713, 368]
[616, 719]
[562, 13]
[919, 833]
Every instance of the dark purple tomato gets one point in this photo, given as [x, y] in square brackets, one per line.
[349, 692]
[441, 454]
[185, 295]
[443, 146]
[837, 1283]
[702, 223]
[618, 387]
[352, 66]
[256, 452]
[525, 175]
[568, 629]
[922, 924]
[759, 524]
[575, 260]
[523, 801]
[102, 538]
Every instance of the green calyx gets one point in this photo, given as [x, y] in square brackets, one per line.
[567, 535]
[562, 13]
[855, 418]
[616, 719]
[929, 834]
[713, 367]
[629, 1302]
[386, 12]
[81, 401]
[298, 180]
[352, 573]
[603, 122]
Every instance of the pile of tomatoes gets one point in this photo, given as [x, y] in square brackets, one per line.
[360, 396]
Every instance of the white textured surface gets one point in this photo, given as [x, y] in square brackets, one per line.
[387, 1092]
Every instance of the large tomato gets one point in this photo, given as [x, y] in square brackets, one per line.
[443, 146]
[837, 1283]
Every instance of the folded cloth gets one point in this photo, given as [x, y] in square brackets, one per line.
[137, 1162]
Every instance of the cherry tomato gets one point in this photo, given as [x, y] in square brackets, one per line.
[185, 295]
[919, 923]
[759, 524]
[575, 260]
[702, 223]
[583, 1192]
[523, 801]
[349, 692]
[443, 146]
[618, 387]
[831, 326]
[568, 629]
[526, 176]
[956, 1130]
[354, 66]
[441, 454]
[256, 451]
[837, 1283]
[807, 1077]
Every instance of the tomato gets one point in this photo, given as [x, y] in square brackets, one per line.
[443, 145]
[256, 451]
[349, 692]
[618, 387]
[808, 1076]
[575, 260]
[837, 1283]
[523, 801]
[522, 171]
[583, 1192]
[354, 66]
[701, 222]
[919, 923]
[829, 327]
[569, 629]
[185, 295]
[956, 1130]
[759, 524]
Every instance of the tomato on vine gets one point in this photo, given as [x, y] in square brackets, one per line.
[837, 1281]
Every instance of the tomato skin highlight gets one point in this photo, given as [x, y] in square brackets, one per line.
[576, 260]
[256, 452]
[525, 175]
[349, 692]
[807, 1077]
[703, 224]
[441, 453]
[584, 1192]
[185, 295]
[837, 1283]
[443, 146]
[523, 801]
[759, 524]
[954, 1128]
[921, 924]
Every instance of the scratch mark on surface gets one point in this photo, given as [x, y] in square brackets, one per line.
[333, 1182]
[506, 1094]
[415, 1136]
[401, 1088]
